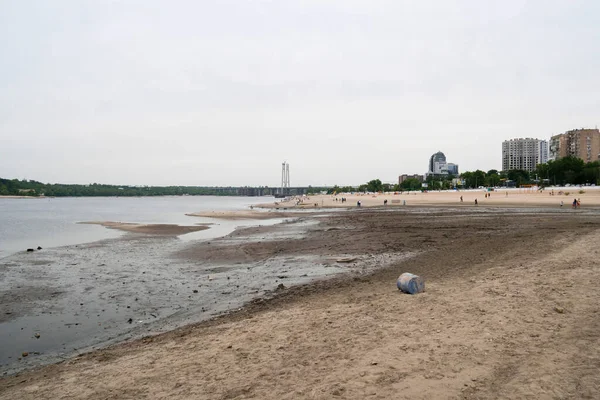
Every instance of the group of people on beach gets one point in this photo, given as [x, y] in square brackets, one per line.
[343, 199]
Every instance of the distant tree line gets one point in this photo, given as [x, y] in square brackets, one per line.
[16, 187]
[568, 170]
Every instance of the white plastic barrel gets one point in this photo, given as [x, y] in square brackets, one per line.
[410, 283]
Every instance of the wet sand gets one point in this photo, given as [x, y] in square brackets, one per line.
[510, 311]
[149, 229]
[247, 214]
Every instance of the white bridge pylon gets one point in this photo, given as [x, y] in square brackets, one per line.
[285, 176]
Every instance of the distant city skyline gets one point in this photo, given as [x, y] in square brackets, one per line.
[219, 93]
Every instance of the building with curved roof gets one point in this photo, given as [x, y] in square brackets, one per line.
[439, 166]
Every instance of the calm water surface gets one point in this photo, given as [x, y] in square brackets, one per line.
[52, 222]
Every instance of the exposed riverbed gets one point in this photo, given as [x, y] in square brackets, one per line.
[62, 301]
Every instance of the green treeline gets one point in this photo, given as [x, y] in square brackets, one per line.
[15, 187]
[568, 170]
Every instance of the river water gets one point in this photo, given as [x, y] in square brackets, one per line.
[91, 286]
[52, 222]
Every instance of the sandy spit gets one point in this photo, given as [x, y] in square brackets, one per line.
[150, 229]
[248, 214]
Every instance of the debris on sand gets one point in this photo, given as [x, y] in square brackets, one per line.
[410, 283]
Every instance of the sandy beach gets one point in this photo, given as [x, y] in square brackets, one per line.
[548, 198]
[510, 311]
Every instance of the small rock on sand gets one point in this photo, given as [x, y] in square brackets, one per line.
[346, 259]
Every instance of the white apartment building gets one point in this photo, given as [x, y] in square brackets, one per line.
[524, 154]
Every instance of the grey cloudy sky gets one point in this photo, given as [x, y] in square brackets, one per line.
[221, 92]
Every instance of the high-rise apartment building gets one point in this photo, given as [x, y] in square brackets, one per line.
[580, 143]
[524, 154]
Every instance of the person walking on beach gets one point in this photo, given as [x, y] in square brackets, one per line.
[574, 203]
[475, 201]
[461, 199]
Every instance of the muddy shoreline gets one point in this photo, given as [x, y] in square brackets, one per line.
[63, 301]
[450, 248]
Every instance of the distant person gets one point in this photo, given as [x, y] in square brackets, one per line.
[574, 203]
[358, 203]
[475, 201]
[561, 203]
[461, 199]
[385, 202]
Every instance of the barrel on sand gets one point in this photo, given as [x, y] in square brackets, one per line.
[410, 283]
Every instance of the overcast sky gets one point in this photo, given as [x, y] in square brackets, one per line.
[221, 92]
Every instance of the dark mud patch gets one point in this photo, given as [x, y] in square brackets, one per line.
[19, 300]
